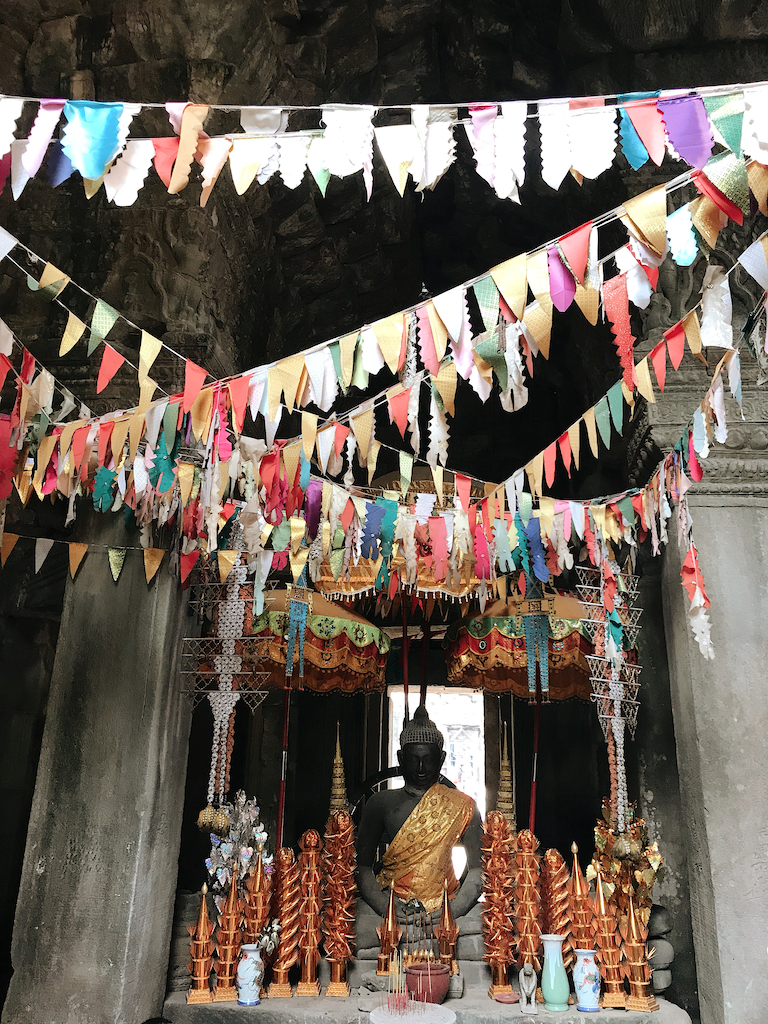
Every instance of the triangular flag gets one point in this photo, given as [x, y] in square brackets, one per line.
[116, 561]
[54, 279]
[363, 426]
[406, 471]
[398, 409]
[693, 332]
[511, 280]
[226, 560]
[439, 330]
[76, 555]
[111, 361]
[186, 477]
[648, 214]
[463, 485]
[308, 433]
[42, 546]
[550, 457]
[194, 378]
[347, 346]
[238, 392]
[148, 353]
[72, 334]
[389, 335]
[9, 543]
[644, 385]
[445, 382]
[659, 360]
[103, 318]
[575, 247]
[603, 420]
[152, 559]
[341, 432]
[437, 478]
[574, 438]
[616, 405]
[676, 344]
[373, 455]
[589, 422]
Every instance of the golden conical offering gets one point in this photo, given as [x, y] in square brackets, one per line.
[339, 912]
[389, 932]
[228, 939]
[608, 948]
[579, 906]
[338, 783]
[554, 902]
[498, 887]
[638, 971]
[505, 800]
[201, 951]
[287, 900]
[310, 907]
[527, 870]
[446, 933]
[258, 897]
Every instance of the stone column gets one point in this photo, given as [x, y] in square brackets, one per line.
[720, 707]
[93, 922]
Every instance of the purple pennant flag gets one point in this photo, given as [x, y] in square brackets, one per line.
[688, 128]
[59, 165]
[313, 505]
[562, 286]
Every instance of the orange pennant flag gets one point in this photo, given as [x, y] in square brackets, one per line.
[238, 393]
[194, 378]
[9, 543]
[152, 559]
[76, 555]
[111, 361]
[398, 409]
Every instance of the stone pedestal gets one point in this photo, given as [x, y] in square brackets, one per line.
[93, 921]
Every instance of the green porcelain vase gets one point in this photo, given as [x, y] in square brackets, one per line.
[554, 980]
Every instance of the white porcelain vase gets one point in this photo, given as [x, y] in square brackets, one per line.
[586, 981]
[250, 974]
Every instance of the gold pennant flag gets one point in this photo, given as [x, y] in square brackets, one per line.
[298, 561]
[445, 382]
[52, 275]
[598, 514]
[693, 332]
[538, 320]
[291, 456]
[146, 390]
[65, 440]
[308, 433]
[135, 430]
[511, 279]
[76, 555]
[44, 453]
[535, 470]
[644, 385]
[574, 439]
[629, 398]
[201, 412]
[186, 477]
[373, 455]
[707, 218]
[588, 301]
[152, 560]
[589, 422]
[191, 125]
[363, 428]
[92, 185]
[547, 514]
[284, 379]
[226, 560]
[439, 331]
[647, 214]
[73, 332]
[389, 335]
[347, 347]
[298, 529]
[7, 546]
[117, 440]
[437, 479]
[116, 561]
[538, 278]
[148, 353]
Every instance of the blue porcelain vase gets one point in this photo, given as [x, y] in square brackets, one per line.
[554, 980]
[586, 981]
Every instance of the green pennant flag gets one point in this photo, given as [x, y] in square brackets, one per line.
[488, 351]
[93, 342]
[406, 471]
[626, 508]
[170, 419]
[616, 403]
[603, 420]
[103, 319]
[487, 295]
[48, 293]
[336, 357]
[727, 114]
[359, 374]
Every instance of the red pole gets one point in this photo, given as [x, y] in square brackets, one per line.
[536, 716]
[283, 769]
[405, 650]
[424, 651]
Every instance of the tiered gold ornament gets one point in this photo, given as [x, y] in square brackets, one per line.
[608, 948]
[310, 907]
[528, 931]
[505, 800]
[339, 911]
[554, 902]
[390, 933]
[258, 899]
[228, 939]
[579, 906]
[287, 899]
[201, 951]
[338, 783]
[498, 888]
[629, 864]
[638, 971]
[446, 933]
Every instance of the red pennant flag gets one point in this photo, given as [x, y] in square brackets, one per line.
[166, 151]
[550, 455]
[691, 576]
[194, 378]
[486, 513]
[5, 366]
[676, 344]
[705, 186]
[188, 563]
[340, 437]
[652, 273]
[649, 125]
[659, 360]
[398, 410]
[105, 432]
[394, 583]
[346, 516]
[575, 248]
[564, 443]
[228, 510]
[694, 466]
[27, 367]
[521, 584]
[506, 312]
[79, 440]
[238, 392]
[111, 362]
[463, 486]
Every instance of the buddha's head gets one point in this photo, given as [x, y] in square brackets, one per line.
[421, 753]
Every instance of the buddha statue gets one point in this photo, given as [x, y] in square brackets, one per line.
[420, 823]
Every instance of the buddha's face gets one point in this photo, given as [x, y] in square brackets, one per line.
[421, 764]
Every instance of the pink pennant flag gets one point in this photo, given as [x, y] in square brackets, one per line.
[166, 151]
[564, 443]
[105, 432]
[659, 360]
[111, 361]
[676, 344]
[427, 342]
[194, 378]
[506, 312]
[562, 286]
[694, 466]
[648, 123]
[238, 392]
[463, 487]
[398, 410]
[575, 248]
[550, 457]
[340, 437]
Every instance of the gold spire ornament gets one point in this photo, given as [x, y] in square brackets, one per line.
[608, 948]
[554, 902]
[498, 887]
[638, 971]
[201, 951]
[258, 898]
[287, 900]
[339, 911]
[579, 906]
[447, 933]
[338, 782]
[228, 939]
[310, 906]
[390, 933]
[505, 800]
[527, 871]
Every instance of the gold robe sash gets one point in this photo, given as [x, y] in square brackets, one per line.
[418, 860]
